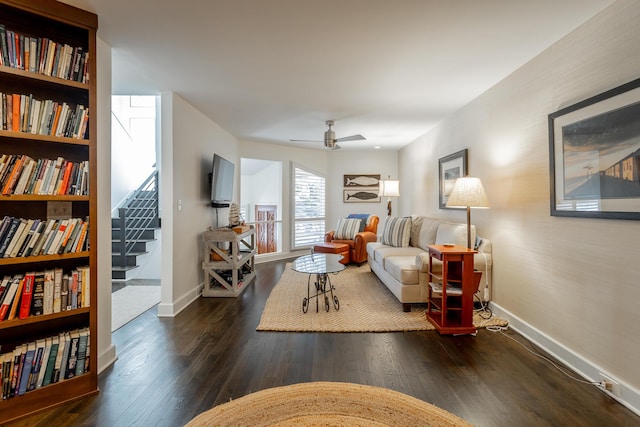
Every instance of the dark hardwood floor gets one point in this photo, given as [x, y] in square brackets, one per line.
[170, 370]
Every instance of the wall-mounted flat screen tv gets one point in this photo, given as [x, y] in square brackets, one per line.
[222, 174]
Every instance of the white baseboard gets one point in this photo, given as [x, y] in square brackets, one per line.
[629, 396]
[107, 358]
[172, 309]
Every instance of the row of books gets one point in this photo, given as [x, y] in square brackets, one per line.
[44, 292]
[43, 56]
[21, 174]
[21, 237]
[45, 361]
[24, 113]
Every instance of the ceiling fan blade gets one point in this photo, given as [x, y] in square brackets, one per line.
[304, 140]
[351, 138]
[335, 147]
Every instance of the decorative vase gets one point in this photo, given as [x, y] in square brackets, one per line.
[234, 214]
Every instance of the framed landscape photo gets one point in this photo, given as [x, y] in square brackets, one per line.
[450, 168]
[594, 156]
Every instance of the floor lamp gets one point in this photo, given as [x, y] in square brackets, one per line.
[389, 189]
[468, 192]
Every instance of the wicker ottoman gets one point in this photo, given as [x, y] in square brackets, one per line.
[333, 248]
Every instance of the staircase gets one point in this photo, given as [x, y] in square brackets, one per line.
[134, 228]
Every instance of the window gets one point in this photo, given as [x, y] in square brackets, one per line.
[309, 211]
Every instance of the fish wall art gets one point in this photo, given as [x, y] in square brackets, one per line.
[353, 181]
[362, 195]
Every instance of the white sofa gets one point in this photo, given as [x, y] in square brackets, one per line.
[403, 266]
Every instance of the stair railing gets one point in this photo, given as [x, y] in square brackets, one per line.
[136, 213]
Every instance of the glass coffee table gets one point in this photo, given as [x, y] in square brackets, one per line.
[320, 265]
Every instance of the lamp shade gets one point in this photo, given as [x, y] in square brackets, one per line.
[390, 188]
[468, 192]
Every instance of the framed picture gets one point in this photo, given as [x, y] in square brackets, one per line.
[451, 168]
[360, 180]
[594, 156]
[362, 195]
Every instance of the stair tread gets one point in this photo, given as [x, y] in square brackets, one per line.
[126, 268]
[129, 254]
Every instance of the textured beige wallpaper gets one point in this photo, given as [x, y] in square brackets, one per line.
[575, 280]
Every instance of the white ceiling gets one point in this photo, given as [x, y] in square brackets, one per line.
[274, 70]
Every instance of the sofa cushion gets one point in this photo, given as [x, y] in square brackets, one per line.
[403, 269]
[396, 232]
[428, 232]
[416, 226]
[456, 233]
[347, 229]
[383, 252]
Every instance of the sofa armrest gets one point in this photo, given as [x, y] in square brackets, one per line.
[422, 262]
[364, 237]
[328, 237]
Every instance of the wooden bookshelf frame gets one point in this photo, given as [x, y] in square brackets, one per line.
[64, 24]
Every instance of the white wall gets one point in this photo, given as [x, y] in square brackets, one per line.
[571, 283]
[344, 162]
[189, 140]
[106, 350]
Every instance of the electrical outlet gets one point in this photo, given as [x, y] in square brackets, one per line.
[486, 294]
[609, 384]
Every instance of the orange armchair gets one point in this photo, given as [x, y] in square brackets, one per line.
[358, 245]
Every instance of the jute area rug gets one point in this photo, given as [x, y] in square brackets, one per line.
[327, 404]
[366, 305]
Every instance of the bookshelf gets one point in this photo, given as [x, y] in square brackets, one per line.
[50, 70]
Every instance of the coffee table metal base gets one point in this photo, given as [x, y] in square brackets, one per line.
[322, 286]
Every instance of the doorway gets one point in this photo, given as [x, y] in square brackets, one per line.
[267, 241]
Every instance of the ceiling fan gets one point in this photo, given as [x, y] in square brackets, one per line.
[330, 140]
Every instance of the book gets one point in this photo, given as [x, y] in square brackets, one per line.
[4, 286]
[57, 290]
[64, 294]
[83, 343]
[51, 361]
[44, 361]
[6, 241]
[37, 301]
[62, 343]
[35, 238]
[55, 244]
[37, 364]
[27, 295]
[27, 364]
[72, 356]
[44, 237]
[86, 286]
[9, 297]
[16, 236]
[18, 359]
[7, 368]
[15, 246]
[73, 289]
[47, 305]
[35, 223]
[64, 357]
[13, 312]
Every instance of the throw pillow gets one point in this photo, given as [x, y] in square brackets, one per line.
[397, 232]
[347, 229]
[363, 217]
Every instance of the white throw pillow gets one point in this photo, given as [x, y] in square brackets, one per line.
[347, 229]
[397, 232]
